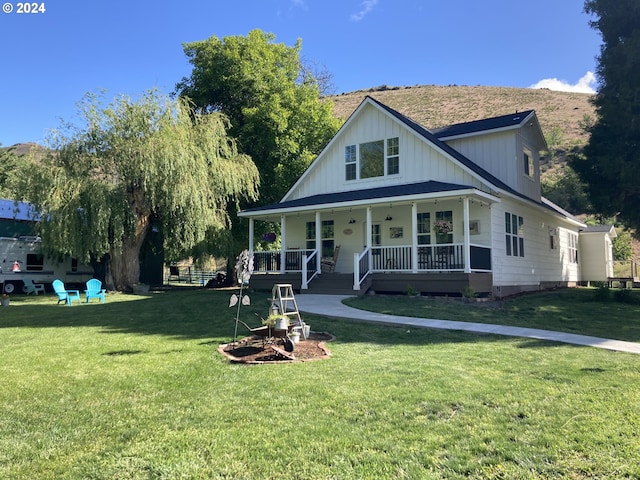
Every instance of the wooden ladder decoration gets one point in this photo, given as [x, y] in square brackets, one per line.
[282, 296]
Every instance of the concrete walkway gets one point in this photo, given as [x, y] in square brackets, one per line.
[332, 306]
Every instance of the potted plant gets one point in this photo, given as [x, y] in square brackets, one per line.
[442, 227]
[276, 321]
[295, 336]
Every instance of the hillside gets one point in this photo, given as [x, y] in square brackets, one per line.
[437, 106]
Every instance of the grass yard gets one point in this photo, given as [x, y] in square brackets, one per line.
[571, 310]
[134, 389]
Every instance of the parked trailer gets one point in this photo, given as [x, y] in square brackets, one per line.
[21, 258]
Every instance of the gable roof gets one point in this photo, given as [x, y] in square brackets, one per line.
[502, 122]
[430, 137]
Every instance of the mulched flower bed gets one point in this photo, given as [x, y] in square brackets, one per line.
[254, 349]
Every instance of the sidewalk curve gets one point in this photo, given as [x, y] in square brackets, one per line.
[332, 306]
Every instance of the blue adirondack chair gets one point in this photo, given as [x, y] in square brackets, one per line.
[94, 290]
[65, 295]
[30, 287]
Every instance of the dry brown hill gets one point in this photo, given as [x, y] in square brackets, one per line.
[438, 106]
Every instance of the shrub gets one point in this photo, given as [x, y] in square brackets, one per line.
[468, 292]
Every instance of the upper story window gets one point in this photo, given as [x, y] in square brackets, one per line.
[393, 156]
[528, 163]
[350, 162]
[372, 159]
[514, 234]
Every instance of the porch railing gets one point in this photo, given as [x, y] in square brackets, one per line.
[435, 257]
[391, 258]
[361, 269]
[309, 268]
[271, 261]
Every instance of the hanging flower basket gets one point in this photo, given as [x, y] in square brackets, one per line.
[442, 227]
[269, 237]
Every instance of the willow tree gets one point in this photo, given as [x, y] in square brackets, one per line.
[133, 166]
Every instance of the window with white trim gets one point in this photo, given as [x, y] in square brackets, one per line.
[528, 163]
[376, 235]
[514, 234]
[573, 247]
[350, 162]
[372, 159]
[424, 228]
[393, 156]
[311, 235]
[326, 233]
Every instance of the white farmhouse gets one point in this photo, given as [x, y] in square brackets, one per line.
[401, 207]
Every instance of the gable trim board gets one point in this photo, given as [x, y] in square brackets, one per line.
[430, 168]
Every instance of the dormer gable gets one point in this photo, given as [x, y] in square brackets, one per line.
[507, 146]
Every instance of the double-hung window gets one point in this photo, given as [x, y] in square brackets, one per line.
[393, 156]
[514, 234]
[350, 162]
[573, 247]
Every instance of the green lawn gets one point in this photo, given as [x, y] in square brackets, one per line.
[134, 389]
[573, 310]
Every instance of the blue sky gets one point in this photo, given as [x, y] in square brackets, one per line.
[49, 60]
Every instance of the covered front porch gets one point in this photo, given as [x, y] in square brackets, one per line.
[401, 241]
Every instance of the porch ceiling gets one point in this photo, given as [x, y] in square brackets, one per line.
[381, 195]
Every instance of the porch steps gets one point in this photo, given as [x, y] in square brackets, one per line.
[330, 283]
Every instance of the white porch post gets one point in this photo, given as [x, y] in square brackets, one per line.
[368, 236]
[283, 243]
[318, 242]
[467, 242]
[251, 230]
[414, 238]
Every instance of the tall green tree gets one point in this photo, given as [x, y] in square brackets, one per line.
[131, 166]
[611, 159]
[271, 99]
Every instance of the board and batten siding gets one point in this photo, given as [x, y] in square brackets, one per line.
[419, 160]
[502, 155]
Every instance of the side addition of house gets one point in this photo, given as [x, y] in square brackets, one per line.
[391, 206]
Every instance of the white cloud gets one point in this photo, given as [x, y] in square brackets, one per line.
[367, 6]
[586, 84]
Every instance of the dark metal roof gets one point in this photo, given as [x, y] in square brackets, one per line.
[390, 191]
[503, 121]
